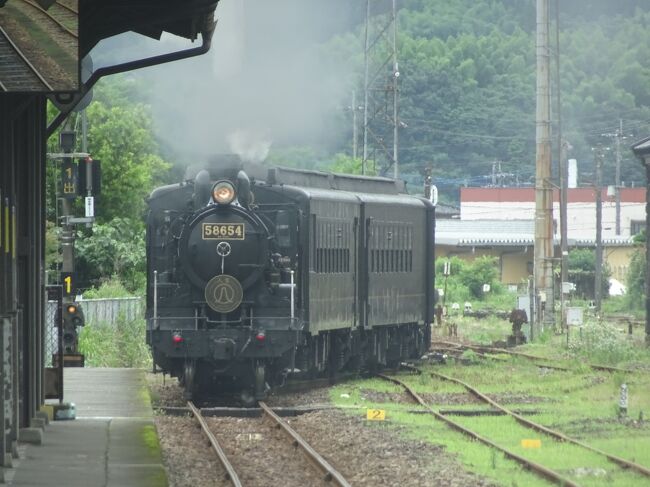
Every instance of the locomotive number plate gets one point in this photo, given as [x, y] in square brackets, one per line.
[223, 231]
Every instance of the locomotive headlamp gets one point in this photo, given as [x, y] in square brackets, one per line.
[223, 192]
[72, 309]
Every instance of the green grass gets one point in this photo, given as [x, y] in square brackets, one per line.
[475, 456]
[115, 345]
[581, 403]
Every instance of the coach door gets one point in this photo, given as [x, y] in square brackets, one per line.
[394, 290]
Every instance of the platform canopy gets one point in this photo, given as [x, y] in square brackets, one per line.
[101, 19]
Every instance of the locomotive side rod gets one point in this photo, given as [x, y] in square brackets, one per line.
[329, 472]
[231, 474]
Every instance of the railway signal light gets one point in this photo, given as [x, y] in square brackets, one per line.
[73, 318]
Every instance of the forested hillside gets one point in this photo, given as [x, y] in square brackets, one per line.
[285, 72]
[467, 84]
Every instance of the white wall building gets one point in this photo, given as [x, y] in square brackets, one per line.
[519, 204]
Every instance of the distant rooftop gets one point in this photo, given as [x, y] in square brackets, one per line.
[575, 195]
[642, 147]
[476, 233]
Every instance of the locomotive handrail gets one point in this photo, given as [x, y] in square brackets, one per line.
[155, 299]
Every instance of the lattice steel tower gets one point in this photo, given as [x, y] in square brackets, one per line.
[381, 89]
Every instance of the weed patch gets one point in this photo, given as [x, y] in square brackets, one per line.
[115, 345]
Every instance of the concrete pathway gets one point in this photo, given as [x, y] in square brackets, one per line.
[112, 443]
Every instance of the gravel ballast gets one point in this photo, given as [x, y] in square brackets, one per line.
[367, 454]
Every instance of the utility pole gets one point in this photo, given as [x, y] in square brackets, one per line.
[598, 282]
[354, 124]
[564, 240]
[617, 187]
[618, 137]
[543, 270]
[563, 170]
[366, 89]
[395, 93]
[381, 116]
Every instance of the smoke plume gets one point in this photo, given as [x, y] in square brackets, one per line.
[266, 79]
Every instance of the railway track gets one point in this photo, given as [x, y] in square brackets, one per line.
[324, 470]
[448, 346]
[60, 15]
[67, 6]
[535, 467]
[536, 426]
[16, 72]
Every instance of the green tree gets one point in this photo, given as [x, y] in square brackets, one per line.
[636, 274]
[349, 165]
[483, 270]
[582, 272]
[113, 249]
[120, 135]
[466, 278]
[467, 90]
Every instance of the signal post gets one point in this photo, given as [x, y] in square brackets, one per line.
[76, 180]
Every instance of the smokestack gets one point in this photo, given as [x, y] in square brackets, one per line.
[573, 173]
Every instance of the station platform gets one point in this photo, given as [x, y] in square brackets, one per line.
[111, 443]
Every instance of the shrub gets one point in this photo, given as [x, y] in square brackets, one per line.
[119, 345]
[465, 282]
[601, 342]
[635, 297]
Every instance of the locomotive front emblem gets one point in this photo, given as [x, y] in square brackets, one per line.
[223, 249]
[223, 293]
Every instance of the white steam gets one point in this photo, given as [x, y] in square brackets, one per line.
[265, 79]
[250, 145]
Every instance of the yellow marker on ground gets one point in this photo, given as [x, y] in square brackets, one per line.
[375, 415]
[531, 443]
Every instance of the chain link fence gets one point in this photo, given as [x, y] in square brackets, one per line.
[95, 311]
[51, 333]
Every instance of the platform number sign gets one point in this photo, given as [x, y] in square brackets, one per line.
[68, 179]
[375, 414]
[68, 281]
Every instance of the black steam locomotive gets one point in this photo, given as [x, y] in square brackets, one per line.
[256, 275]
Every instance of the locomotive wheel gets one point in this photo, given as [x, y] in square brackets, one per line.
[260, 381]
[189, 376]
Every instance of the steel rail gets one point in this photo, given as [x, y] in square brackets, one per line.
[538, 427]
[481, 348]
[48, 14]
[12, 45]
[330, 474]
[541, 470]
[484, 355]
[231, 474]
[67, 7]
